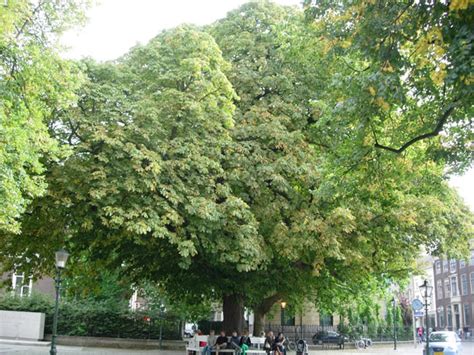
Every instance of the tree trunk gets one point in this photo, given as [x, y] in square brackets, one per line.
[258, 322]
[233, 307]
[261, 310]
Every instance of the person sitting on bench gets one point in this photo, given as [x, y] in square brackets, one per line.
[222, 341]
[211, 343]
[234, 340]
[278, 346]
[245, 342]
[269, 339]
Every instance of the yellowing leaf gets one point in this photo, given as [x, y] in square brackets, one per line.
[388, 67]
[438, 77]
[382, 103]
[346, 44]
[459, 4]
[372, 90]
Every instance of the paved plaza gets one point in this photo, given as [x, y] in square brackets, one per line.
[404, 349]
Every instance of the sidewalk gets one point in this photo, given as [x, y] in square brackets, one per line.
[403, 349]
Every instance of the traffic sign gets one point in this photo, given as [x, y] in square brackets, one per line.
[419, 313]
[417, 304]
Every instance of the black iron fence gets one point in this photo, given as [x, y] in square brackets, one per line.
[376, 333]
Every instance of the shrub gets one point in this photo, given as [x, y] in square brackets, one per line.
[95, 318]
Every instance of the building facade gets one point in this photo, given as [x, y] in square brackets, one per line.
[425, 266]
[454, 292]
[21, 285]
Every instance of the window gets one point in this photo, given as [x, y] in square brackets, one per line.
[439, 289]
[438, 266]
[467, 315]
[445, 265]
[454, 286]
[325, 320]
[447, 288]
[472, 257]
[456, 309]
[462, 264]
[449, 317]
[442, 320]
[286, 319]
[21, 285]
[452, 265]
[472, 282]
[464, 285]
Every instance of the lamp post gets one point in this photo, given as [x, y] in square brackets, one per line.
[283, 306]
[426, 290]
[394, 309]
[162, 315]
[61, 259]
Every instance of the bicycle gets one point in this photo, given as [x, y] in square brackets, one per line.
[362, 343]
[289, 344]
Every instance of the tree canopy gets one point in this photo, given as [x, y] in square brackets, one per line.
[34, 82]
[238, 162]
[404, 77]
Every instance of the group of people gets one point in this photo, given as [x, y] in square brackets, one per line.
[274, 343]
[215, 343]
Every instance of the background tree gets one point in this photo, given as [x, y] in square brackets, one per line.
[324, 226]
[34, 82]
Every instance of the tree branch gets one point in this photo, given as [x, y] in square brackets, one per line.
[395, 21]
[439, 126]
[29, 19]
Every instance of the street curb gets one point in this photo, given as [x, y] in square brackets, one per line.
[119, 343]
[24, 342]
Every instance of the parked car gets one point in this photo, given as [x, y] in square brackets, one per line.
[329, 337]
[445, 343]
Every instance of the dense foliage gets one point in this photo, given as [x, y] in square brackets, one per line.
[239, 163]
[403, 75]
[97, 318]
[34, 83]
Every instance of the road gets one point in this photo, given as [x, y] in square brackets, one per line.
[403, 349]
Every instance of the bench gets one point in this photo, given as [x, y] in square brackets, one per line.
[257, 346]
[193, 346]
[256, 349]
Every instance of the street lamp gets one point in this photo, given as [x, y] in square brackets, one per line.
[61, 259]
[426, 291]
[283, 306]
[394, 308]
[162, 315]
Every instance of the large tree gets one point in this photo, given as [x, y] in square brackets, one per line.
[214, 178]
[325, 220]
[144, 188]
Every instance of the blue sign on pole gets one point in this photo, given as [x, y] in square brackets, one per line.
[416, 304]
[418, 314]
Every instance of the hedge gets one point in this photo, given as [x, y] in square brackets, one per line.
[98, 319]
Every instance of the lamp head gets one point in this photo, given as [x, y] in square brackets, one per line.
[61, 258]
[283, 304]
[426, 290]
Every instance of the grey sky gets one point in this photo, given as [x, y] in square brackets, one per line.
[116, 25]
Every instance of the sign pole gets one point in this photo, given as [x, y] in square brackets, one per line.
[415, 342]
[417, 310]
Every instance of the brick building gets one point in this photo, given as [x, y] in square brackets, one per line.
[454, 291]
[22, 285]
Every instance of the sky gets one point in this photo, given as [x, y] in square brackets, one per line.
[114, 26]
